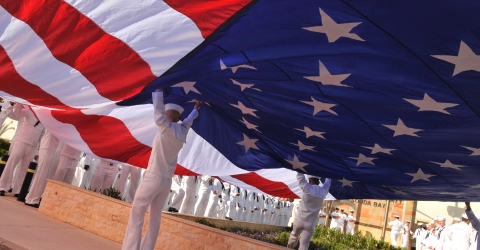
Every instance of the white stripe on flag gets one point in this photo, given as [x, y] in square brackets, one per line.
[137, 24]
[34, 62]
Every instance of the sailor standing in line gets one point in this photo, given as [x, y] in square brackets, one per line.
[191, 184]
[405, 234]
[23, 151]
[460, 233]
[312, 200]
[104, 176]
[68, 163]
[342, 221]
[203, 195]
[335, 217]
[395, 231]
[154, 188]
[351, 223]
[48, 145]
[417, 234]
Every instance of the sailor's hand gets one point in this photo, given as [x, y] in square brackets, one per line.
[198, 104]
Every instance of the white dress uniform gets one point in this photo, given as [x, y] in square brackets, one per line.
[334, 222]
[154, 188]
[88, 175]
[5, 112]
[405, 236]
[16, 116]
[191, 186]
[104, 176]
[321, 218]
[417, 236]
[459, 234]
[341, 222]
[441, 236]
[48, 145]
[305, 221]
[234, 198]
[475, 224]
[224, 205]
[68, 163]
[134, 173]
[212, 205]
[203, 195]
[178, 193]
[24, 149]
[395, 231]
[473, 241]
[351, 224]
[431, 241]
[258, 208]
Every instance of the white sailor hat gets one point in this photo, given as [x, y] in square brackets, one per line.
[464, 216]
[456, 219]
[396, 216]
[351, 211]
[173, 106]
[312, 177]
[407, 221]
[441, 218]
[420, 223]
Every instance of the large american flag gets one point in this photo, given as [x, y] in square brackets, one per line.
[381, 96]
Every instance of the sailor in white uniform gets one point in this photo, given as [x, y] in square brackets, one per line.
[335, 217]
[312, 200]
[190, 184]
[153, 190]
[395, 230]
[460, 233]
[351, 223]
[475, 224]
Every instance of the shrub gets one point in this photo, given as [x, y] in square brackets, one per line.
[110, 192]
[4, 146]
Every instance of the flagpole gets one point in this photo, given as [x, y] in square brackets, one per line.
[385, 217]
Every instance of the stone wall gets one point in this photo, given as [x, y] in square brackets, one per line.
[108, 218]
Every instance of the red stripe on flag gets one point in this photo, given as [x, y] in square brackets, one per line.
[116, 70]
[106, 136]
[180, 170]
[208, 15]
[275, 188]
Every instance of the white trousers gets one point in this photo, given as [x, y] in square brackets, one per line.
[394, 237]
[177, 199]
[45, 159]
[22, 153]
[188, 203]
[202, 202]
[306, 232]
[54, 166]
[134, 173]
[104, 176]
[66, 169]
[230, 211]
[212, 207]
[405, 240]
[152, 193]
[87, 177]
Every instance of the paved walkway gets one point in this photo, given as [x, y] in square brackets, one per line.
[22, 227]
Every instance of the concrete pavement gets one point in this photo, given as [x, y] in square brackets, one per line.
[22, 227]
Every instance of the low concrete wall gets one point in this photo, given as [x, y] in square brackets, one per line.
[222, 223]
[108, 218]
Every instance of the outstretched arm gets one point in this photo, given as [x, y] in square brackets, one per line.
[471, 216]
[161, 118]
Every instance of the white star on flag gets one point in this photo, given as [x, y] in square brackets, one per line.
[475, 186]
[248, 143]
[187, 87]
[428, 104]
[346, 182]
[326, 78]
[235, 68]
[296, 164]
[308, 132]
[302, 146]
[377, 149]
[475, 151]
[420, 175]
[244, 109]
[334, 30]
[402, 129]
[466, 59]
[448, 164]
[249, 125]
[321, 106]
[363, 159]
[243, 86]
